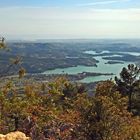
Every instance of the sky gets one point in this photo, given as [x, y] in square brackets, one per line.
[69, 19]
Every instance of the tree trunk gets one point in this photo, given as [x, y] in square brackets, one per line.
[130, 100]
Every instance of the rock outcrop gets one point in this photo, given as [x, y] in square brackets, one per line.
[14, 136]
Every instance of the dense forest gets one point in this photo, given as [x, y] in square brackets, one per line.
[62, 110]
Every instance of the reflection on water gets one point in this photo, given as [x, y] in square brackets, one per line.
[102, 67]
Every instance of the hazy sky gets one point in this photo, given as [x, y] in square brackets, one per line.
[51, 19]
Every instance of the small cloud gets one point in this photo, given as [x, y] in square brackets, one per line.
[103, 2]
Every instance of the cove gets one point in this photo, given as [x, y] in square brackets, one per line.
[102, 67]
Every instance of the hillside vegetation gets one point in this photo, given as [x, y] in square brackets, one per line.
[62, 110]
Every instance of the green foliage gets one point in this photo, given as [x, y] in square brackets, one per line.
[128, 83]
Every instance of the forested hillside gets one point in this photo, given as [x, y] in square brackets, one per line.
[62, 110]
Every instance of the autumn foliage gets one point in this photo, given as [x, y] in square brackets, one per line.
[62, 110]
[52, 113]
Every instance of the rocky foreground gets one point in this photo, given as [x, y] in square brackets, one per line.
[14, 136]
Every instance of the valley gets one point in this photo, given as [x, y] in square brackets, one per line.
[99, 60]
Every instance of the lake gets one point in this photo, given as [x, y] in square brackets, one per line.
[102, 67]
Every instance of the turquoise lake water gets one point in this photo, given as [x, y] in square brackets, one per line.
[101, 68]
